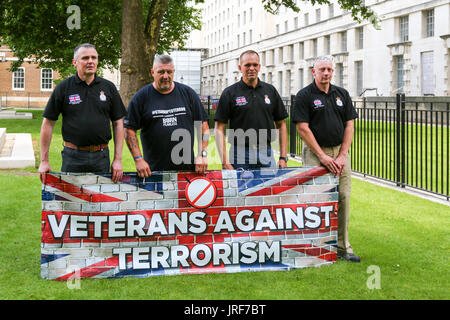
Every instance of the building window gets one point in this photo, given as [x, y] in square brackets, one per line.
[314, 47]
[46, 79]
[19, 79]
[360, 38]
[280, 55]
[288, 82]
[343, 41]
[306, 19]
[327, 45]
[331, 11]
[404, 28]
[340, 74]
[301, 50]
[301, 83]
[296, 23]
[318, 15]
[400, 68]
[429, 23]
[291, 52]
[359, 77]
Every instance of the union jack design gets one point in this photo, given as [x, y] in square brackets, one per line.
[267, 219]
[240, 101]
[74, 99]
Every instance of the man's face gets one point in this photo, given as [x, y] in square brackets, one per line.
[323, 72]
[249, 67]
[86, 62]
[163, 76]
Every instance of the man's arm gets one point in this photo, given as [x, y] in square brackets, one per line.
[308, 137]
[201, 163]
[142, 167]
[341, 159]
[219, 133]
[116, 165]
[282, 133]
[45, 140]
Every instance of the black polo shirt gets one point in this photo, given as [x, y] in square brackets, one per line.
[326, 113]
[247, 108]
[86, 109]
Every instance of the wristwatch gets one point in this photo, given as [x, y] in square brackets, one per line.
[284, 158]
[204, 154]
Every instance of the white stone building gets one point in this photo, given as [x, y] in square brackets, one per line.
[410, 53]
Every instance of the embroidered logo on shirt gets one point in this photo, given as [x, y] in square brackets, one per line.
[266, 99]
[339, 102]
[241, 101]
[102, 96]
[74, 99]
[318, 104]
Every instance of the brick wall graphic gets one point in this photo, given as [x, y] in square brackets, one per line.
[181, 223]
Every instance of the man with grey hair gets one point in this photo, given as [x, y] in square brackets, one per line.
[88, 105]
[165, 112]
[324, 115]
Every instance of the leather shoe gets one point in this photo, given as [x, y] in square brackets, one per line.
[349, 257]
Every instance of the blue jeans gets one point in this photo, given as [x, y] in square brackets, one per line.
[85, 161]
[251, 158]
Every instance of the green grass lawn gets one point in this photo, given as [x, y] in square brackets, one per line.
[406, 237]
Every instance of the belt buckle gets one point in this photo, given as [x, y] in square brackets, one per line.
[91, 148]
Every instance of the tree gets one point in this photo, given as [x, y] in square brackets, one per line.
[131, 30]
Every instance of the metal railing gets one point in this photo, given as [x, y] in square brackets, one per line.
[404, 140]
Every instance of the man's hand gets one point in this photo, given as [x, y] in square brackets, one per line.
[117, 170]
[142, 168]
[227, 166]
[201, 164]
[330, 164]
[282, 164]
[340, 162]
[44, 167]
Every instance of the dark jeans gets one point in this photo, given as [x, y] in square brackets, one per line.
[85, 161]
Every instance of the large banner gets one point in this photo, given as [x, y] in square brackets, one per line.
[181, 222]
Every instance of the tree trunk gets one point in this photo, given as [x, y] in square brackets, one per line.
[138, 46]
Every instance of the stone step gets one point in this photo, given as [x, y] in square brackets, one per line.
[2, 137]
[12, 114]
[17, 151]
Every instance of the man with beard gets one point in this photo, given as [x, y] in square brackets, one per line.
[165, 111]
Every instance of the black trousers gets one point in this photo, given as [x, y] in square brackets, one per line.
[85, 161]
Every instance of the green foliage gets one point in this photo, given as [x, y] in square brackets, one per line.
[41, 29]
[357, 8]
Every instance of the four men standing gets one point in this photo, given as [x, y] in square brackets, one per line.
[167, 112]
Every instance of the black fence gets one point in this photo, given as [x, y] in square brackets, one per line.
[404, 140]
[400, 139]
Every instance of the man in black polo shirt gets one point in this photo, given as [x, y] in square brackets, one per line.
[253, 109]
[88, 104]
[166, 113]
[324, 115]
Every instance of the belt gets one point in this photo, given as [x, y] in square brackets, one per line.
[93, 148]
